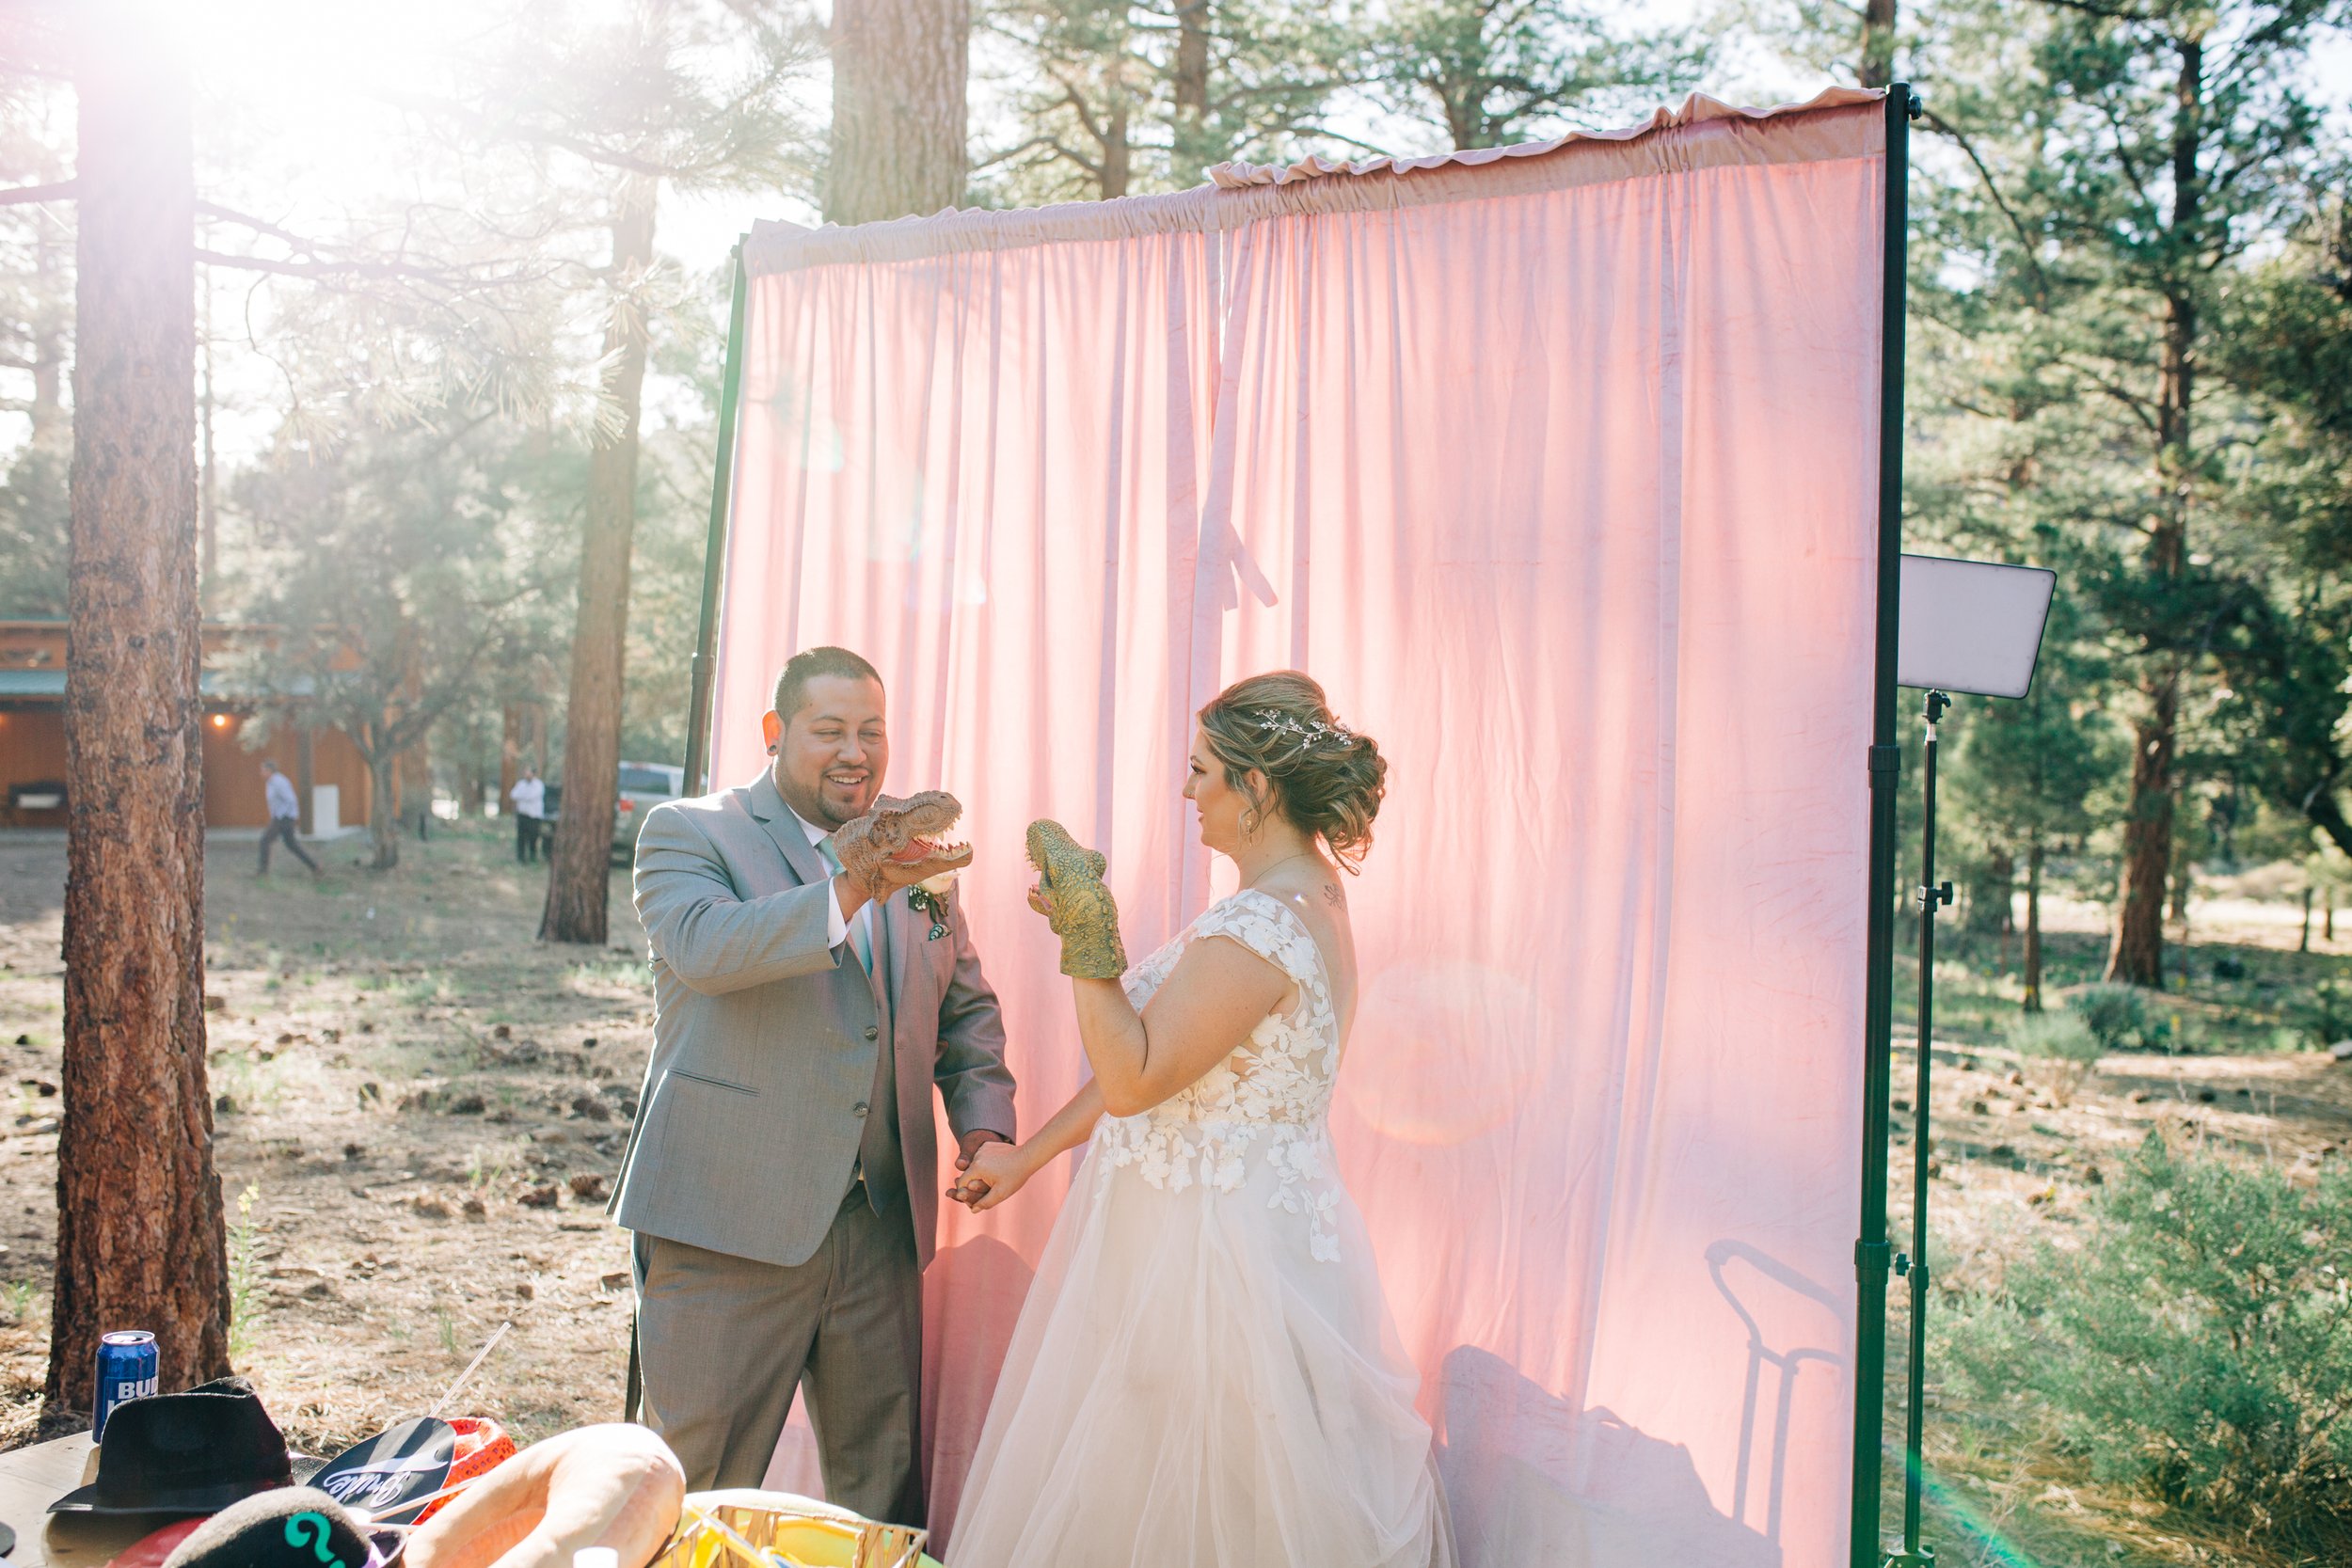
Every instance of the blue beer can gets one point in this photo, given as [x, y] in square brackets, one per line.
[126, 1371]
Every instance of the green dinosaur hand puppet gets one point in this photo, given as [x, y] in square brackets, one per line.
[1084, 916]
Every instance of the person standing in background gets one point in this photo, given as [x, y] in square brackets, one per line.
[285, 815]
[530, 795]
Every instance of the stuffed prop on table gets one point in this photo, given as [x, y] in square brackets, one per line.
[616, 1485]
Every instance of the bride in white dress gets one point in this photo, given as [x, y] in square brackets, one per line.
[1204, 1374]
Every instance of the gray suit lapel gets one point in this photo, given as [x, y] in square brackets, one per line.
[769, 810]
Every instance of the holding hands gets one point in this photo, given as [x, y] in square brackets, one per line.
[993, 1173]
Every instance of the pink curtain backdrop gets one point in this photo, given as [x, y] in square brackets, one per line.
[1558, 467]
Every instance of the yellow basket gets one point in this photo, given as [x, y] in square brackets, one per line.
[747, 1529]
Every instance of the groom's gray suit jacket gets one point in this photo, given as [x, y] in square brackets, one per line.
[767, 1041]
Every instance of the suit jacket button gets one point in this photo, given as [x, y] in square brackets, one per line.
[858, 1109]
[873, 1032]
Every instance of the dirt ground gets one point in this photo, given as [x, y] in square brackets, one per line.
[419, 1110]
[421, 1105]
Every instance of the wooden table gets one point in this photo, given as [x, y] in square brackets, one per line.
[32, 1478]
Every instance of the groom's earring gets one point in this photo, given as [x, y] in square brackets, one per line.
[771, 751]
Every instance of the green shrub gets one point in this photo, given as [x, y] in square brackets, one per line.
[2053, 1037]
[2122, 1018]
[2059, 1050]
[2198, 1343]
[2321, 1014]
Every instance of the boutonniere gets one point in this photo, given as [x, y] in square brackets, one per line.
[930, 897]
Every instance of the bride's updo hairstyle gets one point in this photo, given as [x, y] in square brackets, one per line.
[1324, 777]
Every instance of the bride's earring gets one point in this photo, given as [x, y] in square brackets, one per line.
[1249, 821]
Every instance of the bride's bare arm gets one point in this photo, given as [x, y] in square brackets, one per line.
[1217, 992]
[1208, 1004]
[1206, 1008]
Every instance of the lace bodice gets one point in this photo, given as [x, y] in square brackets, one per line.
[1283, 1071]
[1268, 1101]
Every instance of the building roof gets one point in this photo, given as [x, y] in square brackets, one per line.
[51, 683]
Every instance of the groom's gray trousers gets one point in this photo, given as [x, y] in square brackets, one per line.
[781, 1177]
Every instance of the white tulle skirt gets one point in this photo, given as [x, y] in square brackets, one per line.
[1204, 1377]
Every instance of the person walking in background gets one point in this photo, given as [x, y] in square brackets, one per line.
[285, 815]
[530, 795]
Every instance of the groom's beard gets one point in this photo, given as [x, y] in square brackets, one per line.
[832, 804]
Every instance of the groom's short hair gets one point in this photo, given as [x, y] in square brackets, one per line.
[812, 663]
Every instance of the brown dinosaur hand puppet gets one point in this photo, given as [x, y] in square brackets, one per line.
[1083, 916]
[900, 843]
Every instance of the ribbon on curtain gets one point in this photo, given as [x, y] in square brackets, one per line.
[1557, 466]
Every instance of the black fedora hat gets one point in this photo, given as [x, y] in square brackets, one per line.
[195, 1452]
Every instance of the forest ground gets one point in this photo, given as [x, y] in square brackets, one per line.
[420, 1107]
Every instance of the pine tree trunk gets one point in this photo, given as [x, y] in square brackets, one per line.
[1988, 898]
[1189, 86]
[384, 808]
[510, 757]
[578, 870]
[305, 776]
[2033, 928]
[1118, 152]
[140, 1236]
[2136, 955]
[1878, 43]
[898, 113]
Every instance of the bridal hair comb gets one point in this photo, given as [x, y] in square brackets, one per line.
[1273, 720]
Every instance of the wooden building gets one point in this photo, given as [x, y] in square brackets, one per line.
[330, 779]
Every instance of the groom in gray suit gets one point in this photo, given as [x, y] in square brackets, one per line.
[781, 1176]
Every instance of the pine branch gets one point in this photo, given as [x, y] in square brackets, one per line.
[62, 190]
[1992, 188]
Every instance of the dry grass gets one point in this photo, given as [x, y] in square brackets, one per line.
[2013, 1162]
[398, 1065]
[394, 1046]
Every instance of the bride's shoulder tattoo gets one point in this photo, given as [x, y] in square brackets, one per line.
[1331, 892]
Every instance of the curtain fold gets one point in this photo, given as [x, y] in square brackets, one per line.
[1559, 470]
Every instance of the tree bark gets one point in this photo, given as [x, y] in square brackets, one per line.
[510, 755]
[1189, 86]
[139, 1234]
[1988, 898]
[578, 871]
[897, 145]
[2033, 928]
[1118, 152]
[305, 776]
[2137, 953]
[1878, 43]
[384, 808]
[2303, 944]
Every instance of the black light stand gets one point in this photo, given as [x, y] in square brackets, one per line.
[1933, 896]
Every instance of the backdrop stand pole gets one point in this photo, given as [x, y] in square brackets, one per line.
[715, 547]
[1933, 896]
[698, 683]
[1871, 1247]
